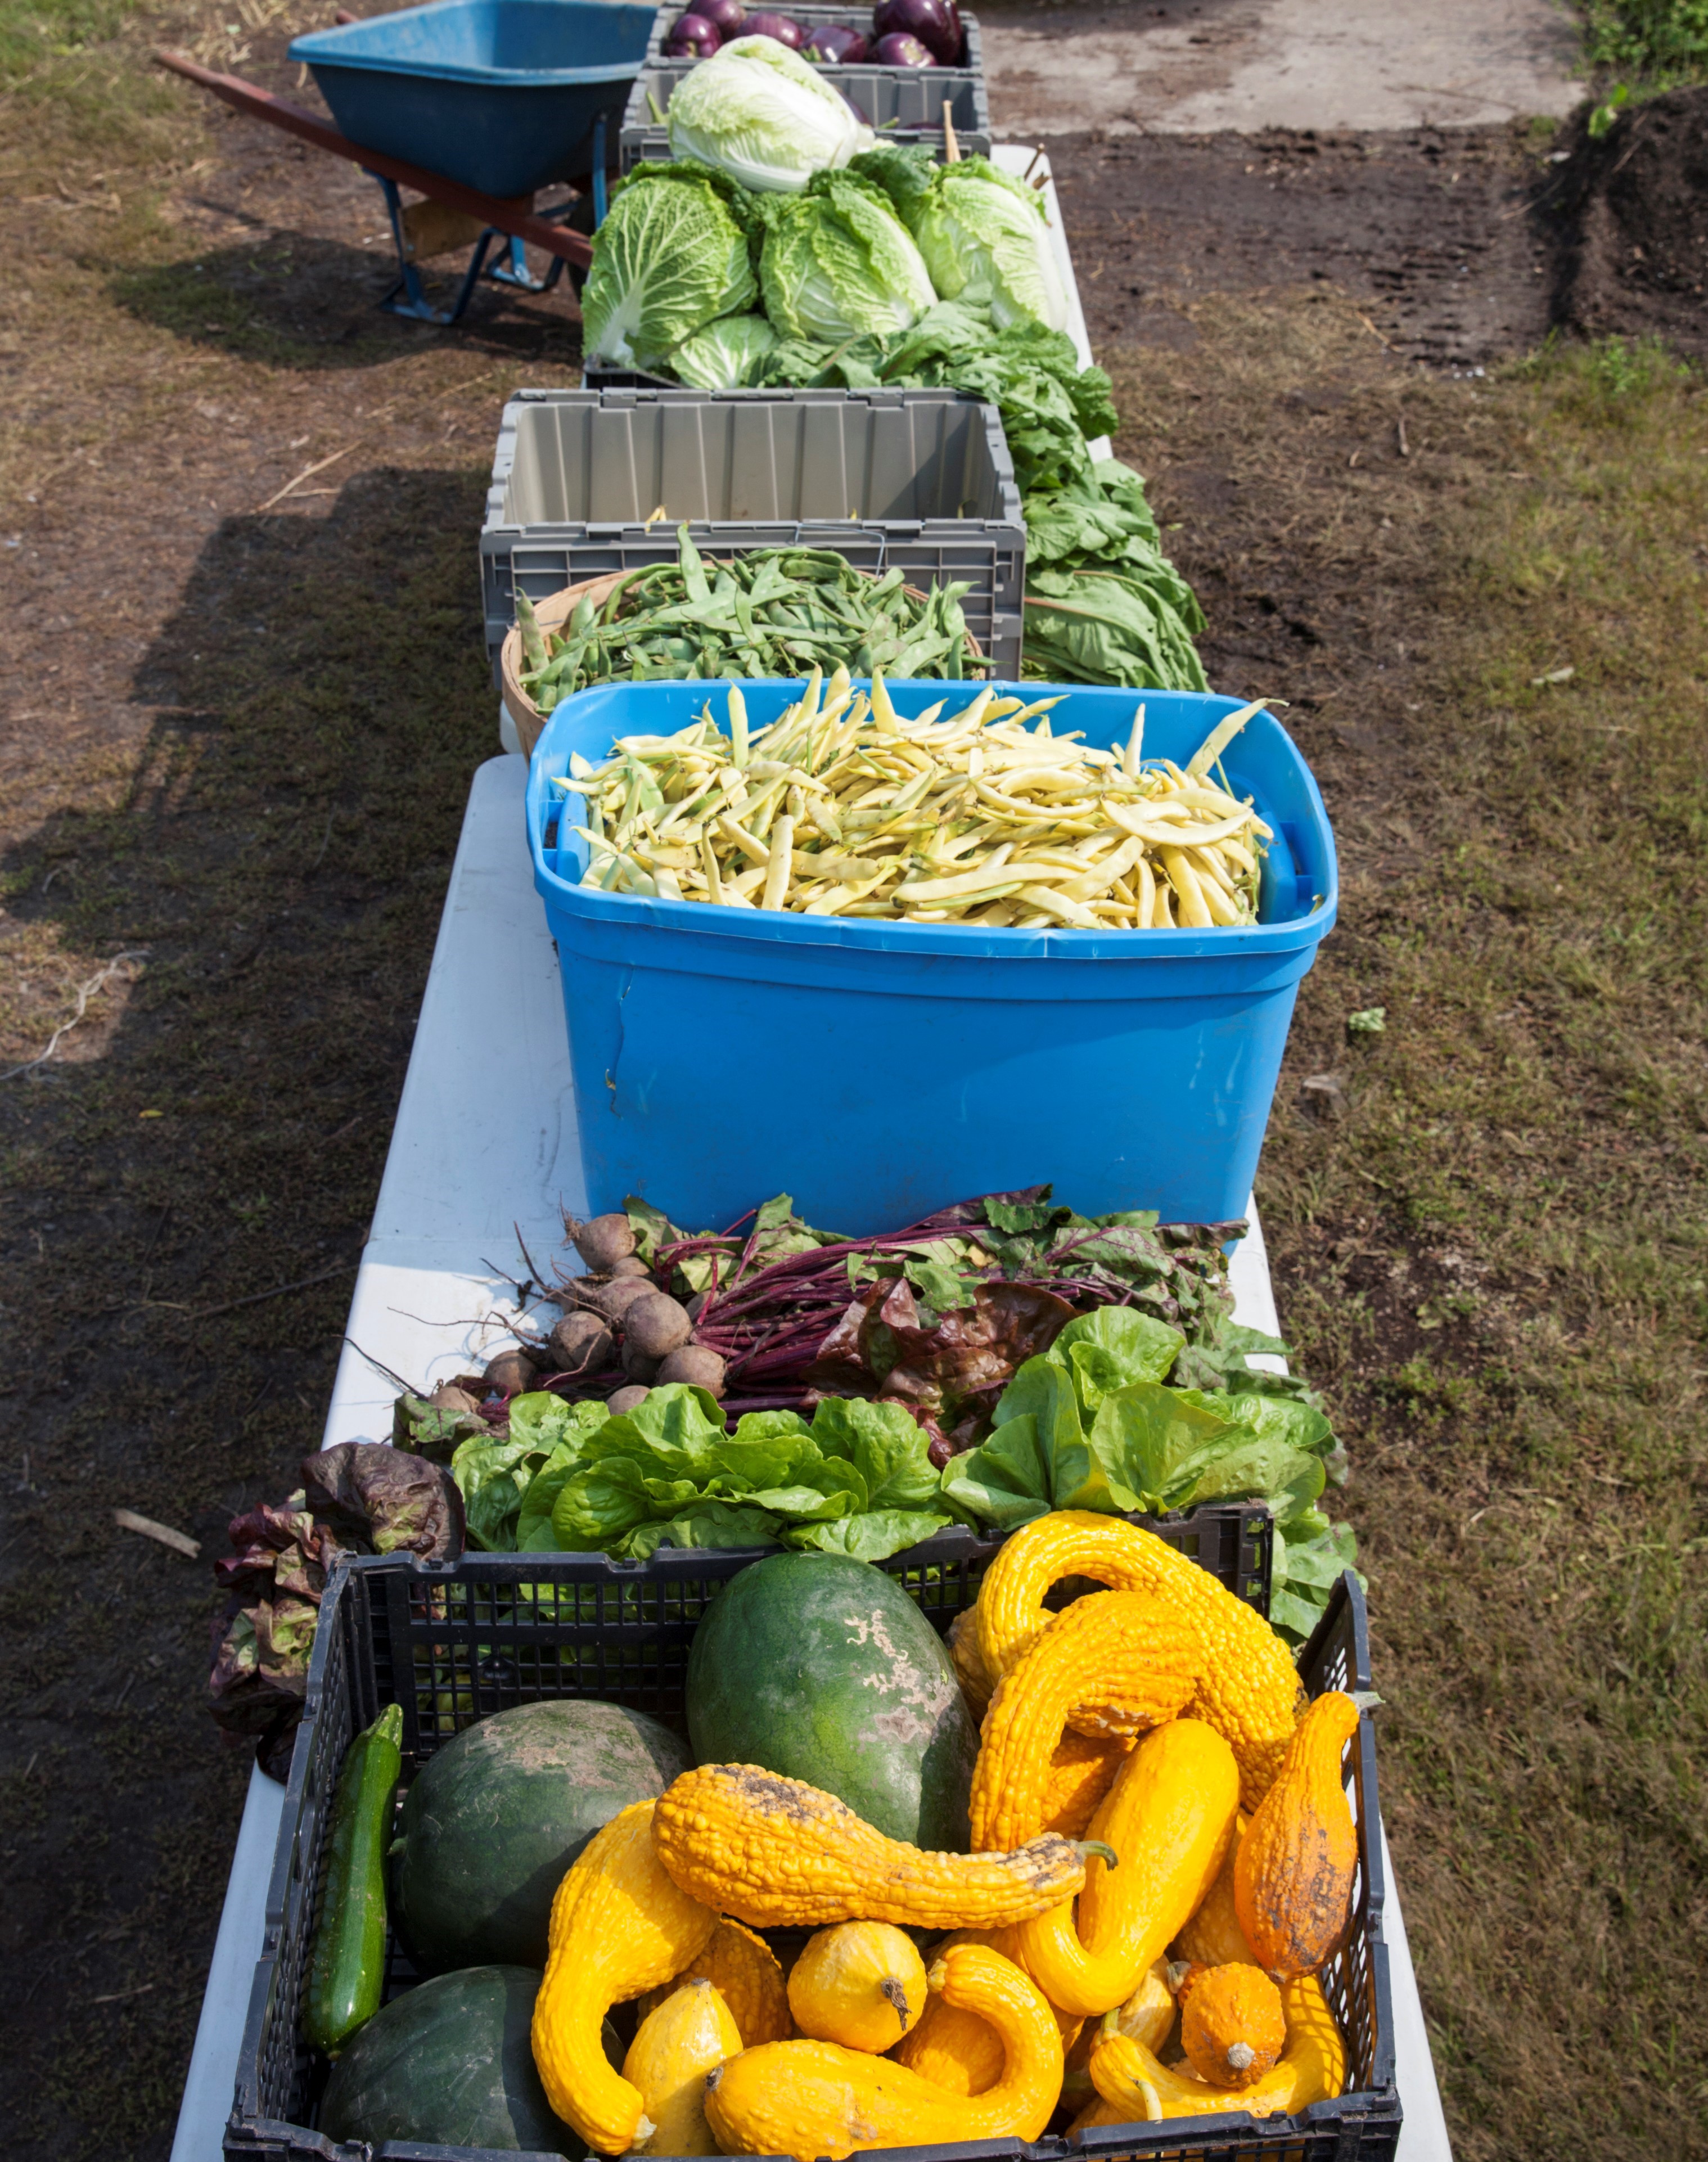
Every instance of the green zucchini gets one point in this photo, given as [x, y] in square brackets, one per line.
[347, 1960]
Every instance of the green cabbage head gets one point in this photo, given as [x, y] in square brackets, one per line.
[838, 263]
[980, 230]
[759, 112]
[726, 355]
[671, 257]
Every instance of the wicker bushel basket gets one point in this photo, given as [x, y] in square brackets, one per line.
[553, 612]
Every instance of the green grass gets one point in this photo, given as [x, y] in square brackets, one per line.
[1495, 1262]
[1661, 42]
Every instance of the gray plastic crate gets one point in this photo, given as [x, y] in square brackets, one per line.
[918, 479]
[903, 104]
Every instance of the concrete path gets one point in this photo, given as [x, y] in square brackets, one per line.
[1203, 66]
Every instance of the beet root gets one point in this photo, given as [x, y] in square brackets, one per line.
[448, 1397]
[625, 1400]
[631, 1265]
[602, 1241]
[613, 1300]
[657, 1325]
[695, 1364]
[638, 1367]
[510, 1373]
[581, 1342]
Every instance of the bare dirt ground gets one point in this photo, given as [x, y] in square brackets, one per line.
[1197, 67]
[243, 691]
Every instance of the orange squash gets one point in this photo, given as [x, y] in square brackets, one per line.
[1293, 1873]
[1232, 2026]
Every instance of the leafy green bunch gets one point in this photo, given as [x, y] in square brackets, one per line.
[856, 1480]
[1092, 1423]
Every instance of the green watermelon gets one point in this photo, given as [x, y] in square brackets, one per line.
[492, 1822]
[449, 2064]
[822, 1668]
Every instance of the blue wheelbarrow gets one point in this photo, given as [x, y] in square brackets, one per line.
[475, 104]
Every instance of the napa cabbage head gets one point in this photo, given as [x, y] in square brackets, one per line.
[727, 355]
[671, 256]
[838, 263]
[982, 231]
[759, 112]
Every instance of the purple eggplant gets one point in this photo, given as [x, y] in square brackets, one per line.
[902, 49]
[693, 37]
[835, 46]
[936, 23]
[783, 27]
[726, 16]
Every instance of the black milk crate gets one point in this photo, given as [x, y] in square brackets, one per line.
[902, 104]
[921, 480]
[454, 1643]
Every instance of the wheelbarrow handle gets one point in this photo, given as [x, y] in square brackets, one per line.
[515, 218]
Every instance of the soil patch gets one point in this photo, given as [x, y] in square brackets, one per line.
[1629, 222]
[1426, 226]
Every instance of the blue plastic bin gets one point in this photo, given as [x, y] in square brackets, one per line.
[501, 94]
[876, 1070]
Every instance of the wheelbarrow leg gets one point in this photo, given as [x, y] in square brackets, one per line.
[516, 271]
[408, 297]
[509, 263]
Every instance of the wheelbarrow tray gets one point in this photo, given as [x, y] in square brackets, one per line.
[501, 94]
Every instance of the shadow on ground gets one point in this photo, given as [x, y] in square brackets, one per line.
[298, 300]
[280, 859]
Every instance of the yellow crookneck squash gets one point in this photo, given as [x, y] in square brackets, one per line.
[808, 2099]
[1169, 1817]
[619, 1928]
[1136, 2088]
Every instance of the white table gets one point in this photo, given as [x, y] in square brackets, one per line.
[486, 1139]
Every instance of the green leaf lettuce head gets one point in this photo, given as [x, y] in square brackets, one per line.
[981, 230]
[838, 263]
[858, 1479]
[671, 256]
[1093, 1423]
[724, 355]
[761, 113]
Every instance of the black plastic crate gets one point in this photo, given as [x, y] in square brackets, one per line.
[918, 480]
[903, 104]
[454, 1643]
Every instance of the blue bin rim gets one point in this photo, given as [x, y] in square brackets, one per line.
[765, 927]
[341, 46]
